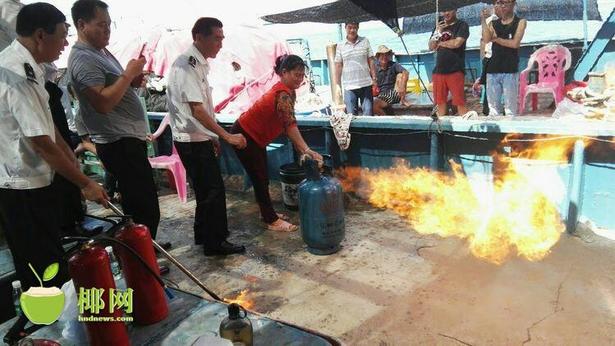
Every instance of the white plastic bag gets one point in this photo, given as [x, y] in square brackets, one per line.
[567, 108]
[73, 329]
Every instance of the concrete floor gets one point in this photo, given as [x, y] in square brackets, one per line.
[392, 286]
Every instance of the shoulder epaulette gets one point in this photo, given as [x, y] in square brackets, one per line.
[192, 61]
[29, 72]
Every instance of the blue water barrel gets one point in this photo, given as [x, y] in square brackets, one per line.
[321, 211]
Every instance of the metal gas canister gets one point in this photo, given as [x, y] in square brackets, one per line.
[150, 305]
[321, 210]
[89, 268]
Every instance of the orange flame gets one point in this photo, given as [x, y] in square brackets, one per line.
[242, 299]
[515, 211]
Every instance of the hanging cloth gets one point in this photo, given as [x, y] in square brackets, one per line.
[340, 122]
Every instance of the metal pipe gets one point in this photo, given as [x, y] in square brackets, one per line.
[115, 209]
[185, 270]
[416, 69]
[328, 142]
[434, 158]
[336, 89]
[585, 30]
[575, 188]
[170, 257]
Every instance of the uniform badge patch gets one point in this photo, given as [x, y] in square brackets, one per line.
[192, 61]
[29, 72]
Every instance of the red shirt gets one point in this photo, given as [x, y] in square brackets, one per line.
[270, 116]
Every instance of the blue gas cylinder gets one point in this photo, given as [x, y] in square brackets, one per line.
[321, 210]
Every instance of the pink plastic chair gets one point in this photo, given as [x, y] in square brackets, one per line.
[172, 163]
[552, 61]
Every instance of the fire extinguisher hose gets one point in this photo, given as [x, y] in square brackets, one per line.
[173, 260]
[128, 248]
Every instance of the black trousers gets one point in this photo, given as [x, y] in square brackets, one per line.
[29, 219]
[254, 160]
[203, 169]
[127, 160]
[483, 81]
[70, 209]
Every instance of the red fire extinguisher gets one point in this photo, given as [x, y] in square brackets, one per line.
[149, 302]
[89, 268]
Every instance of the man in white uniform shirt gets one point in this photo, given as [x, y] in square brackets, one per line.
[196, 134]
[32, 148]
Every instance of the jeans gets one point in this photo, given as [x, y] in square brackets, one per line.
[203, 169]
[506, 86]
[352, 97]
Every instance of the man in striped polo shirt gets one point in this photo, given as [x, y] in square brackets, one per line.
[356, 70]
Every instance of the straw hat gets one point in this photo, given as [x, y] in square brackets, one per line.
[382, 49]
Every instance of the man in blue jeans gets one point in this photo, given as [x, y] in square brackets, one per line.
[356, 71]
[506, 34]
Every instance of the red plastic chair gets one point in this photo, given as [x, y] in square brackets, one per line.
[552, 61]
[172, 163]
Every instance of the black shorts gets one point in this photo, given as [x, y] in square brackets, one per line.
[390, 96]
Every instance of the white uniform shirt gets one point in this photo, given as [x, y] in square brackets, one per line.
[24, 113]
[355, 69]
[188, 83]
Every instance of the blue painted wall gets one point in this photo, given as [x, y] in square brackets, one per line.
[379, 147]
[609, 55]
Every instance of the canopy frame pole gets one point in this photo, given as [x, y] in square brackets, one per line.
[416, 68]
[585, 30]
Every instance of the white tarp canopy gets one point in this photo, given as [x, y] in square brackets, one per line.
[165, 26]
[179, 14]
[8, 16]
